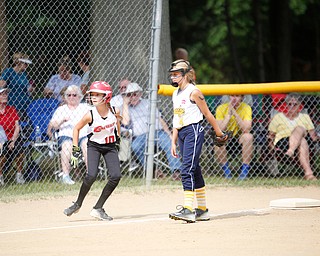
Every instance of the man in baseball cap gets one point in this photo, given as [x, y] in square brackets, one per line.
[2, 89]
[132, 87]
[21, 57]
[27, 61]
[135, 112]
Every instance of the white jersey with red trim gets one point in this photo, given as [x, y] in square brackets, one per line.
[102, 130]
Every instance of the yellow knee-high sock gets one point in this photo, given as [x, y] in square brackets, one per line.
[201, 198]
[188, 199]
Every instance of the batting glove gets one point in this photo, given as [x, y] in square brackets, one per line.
[75, 156]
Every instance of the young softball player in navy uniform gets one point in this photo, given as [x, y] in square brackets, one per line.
[189, 106]
[103, 139]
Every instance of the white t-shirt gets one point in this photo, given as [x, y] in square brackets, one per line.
[103, 130]
[73, 116]
[185, 112]
[139, 117]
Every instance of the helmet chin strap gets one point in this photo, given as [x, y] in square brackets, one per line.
[102, 101]
[176, 84]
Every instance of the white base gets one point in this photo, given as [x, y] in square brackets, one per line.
[286, 203]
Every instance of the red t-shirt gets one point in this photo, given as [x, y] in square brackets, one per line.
[8, 120]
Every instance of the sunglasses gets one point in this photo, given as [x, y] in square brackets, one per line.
[73, 95]
[131, 94]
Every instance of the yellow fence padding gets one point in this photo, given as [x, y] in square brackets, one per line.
[258, 88]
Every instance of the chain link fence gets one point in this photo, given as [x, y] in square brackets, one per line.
[270, 115]
[47, 46]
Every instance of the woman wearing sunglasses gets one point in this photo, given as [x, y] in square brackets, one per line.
[289, 133]
[64, 119]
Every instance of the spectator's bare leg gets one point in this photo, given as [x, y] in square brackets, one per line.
[66, 148]
[295, 139]
[19, 162]
[246, 140]
[304, 157]
[221, 154]
[2, 161]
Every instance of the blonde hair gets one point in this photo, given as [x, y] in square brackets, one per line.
[190, 75]
[18, 55]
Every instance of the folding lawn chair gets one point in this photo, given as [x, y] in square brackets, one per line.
[40, 113]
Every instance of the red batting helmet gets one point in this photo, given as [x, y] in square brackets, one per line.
[101, 87]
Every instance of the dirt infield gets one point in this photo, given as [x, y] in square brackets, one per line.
[242, 224]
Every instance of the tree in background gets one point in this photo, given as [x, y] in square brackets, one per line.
[249, 40]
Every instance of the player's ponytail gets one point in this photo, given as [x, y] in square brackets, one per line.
[190, 75]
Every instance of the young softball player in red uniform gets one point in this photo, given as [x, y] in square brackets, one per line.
[103, 139]
[189, 107]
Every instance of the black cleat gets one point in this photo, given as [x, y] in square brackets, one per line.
[72, 209]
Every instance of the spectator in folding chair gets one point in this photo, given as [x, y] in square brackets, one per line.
[289, 133]
[17, 81]
[65, 78]
[40, 112]
[117, 101]
[13, 148]
[64, 119]
[235, 116]
[135, 112]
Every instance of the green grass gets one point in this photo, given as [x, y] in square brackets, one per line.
[52, 189]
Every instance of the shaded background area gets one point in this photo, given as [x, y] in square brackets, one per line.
[250, 40]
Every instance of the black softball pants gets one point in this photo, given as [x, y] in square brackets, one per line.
[110, 155]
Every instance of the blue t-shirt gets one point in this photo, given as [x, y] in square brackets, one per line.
[56, 84]
[18, 84]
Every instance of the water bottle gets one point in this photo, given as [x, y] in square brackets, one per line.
[38, 134]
